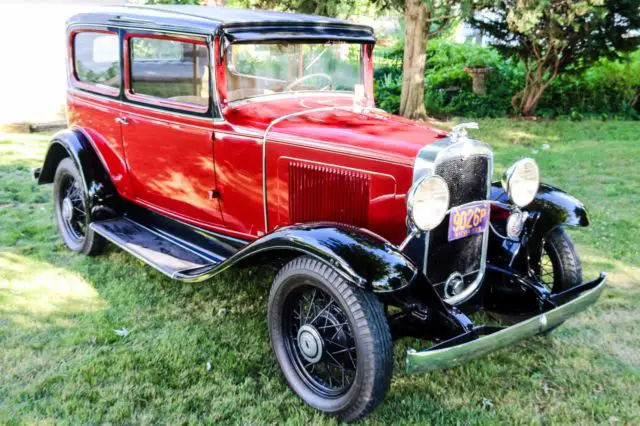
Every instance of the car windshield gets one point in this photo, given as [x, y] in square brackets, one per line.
[266, 69]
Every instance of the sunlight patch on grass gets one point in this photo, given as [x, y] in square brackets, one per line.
[24, 137]
[620, 274]
[31, 287]
[593, 329]
[515, 136]
[22, 146]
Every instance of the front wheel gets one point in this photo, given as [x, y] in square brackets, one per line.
[331, 339]
[559, 267]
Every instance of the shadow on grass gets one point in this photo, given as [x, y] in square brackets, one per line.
[60, 312]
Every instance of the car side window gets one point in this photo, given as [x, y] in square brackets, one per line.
[177, 71]
[97, 61]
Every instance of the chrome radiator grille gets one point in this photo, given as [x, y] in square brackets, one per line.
[468, 179]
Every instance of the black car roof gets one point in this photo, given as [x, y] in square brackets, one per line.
[239, 24]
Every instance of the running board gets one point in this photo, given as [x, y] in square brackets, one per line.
[173, 257]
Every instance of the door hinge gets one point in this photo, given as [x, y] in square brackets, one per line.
[213, 194]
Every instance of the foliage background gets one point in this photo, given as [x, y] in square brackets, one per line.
[607, 90]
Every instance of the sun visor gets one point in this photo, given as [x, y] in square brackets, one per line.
[298, 33]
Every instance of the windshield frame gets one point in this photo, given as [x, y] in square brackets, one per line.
[224, 48]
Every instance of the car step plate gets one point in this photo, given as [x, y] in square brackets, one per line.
[168, 256]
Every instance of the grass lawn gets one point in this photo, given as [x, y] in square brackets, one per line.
[184, 361]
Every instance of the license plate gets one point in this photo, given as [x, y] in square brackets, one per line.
[468, 220]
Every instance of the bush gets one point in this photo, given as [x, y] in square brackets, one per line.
[448, 86]
[608, 89]
[387, 76]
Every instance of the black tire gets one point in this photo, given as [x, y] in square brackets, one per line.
[560, 267]
[74, 226]
[366, 363]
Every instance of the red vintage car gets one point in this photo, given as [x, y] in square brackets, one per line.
[203, 138]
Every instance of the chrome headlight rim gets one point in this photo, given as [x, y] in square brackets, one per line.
[414, 192]
[522, 192]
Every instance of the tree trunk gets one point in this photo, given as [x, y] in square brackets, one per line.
[530, 98]
[415, 56]
[537, 79]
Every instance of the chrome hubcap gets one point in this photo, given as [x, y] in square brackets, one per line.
[67, 209]
[454, 284]
[310, 343]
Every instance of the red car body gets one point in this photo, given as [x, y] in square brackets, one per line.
[172, 163]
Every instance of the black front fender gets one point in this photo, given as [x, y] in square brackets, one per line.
[361, 257]
[552, 207]
[555, 207]
[366, 259]
[101, 194]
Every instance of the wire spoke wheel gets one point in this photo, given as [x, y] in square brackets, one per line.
[72, 206]
[330, 338]
[320, 341]
[559, 265]
[72, 210]
[546, 275]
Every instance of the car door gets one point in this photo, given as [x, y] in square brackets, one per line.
[93, 96]
[167, 125]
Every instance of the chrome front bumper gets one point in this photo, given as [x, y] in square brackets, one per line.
[447, 357]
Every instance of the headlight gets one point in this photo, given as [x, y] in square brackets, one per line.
[521, 181]
[428, 202]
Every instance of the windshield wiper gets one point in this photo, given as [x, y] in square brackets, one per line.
[315, 59]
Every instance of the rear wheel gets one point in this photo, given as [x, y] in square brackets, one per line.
[72, 217]
[331, 340]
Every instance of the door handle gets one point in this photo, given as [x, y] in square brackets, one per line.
[122, 120]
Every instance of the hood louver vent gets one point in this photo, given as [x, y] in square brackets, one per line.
[323, 193]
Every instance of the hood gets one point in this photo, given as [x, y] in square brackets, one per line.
[336, 127]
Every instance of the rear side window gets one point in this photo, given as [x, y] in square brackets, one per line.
[174, 70]
[97, 60]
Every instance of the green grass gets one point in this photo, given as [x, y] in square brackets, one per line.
[62, 362]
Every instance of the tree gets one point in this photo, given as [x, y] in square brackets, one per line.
[552, 37]
[173, 2]
[330, 8]
[423, 20]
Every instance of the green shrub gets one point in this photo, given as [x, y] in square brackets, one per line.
[388, 77]
[387, 91]
[609, 89]
[448, 86]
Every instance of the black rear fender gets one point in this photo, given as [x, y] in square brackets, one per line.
[102, 197]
